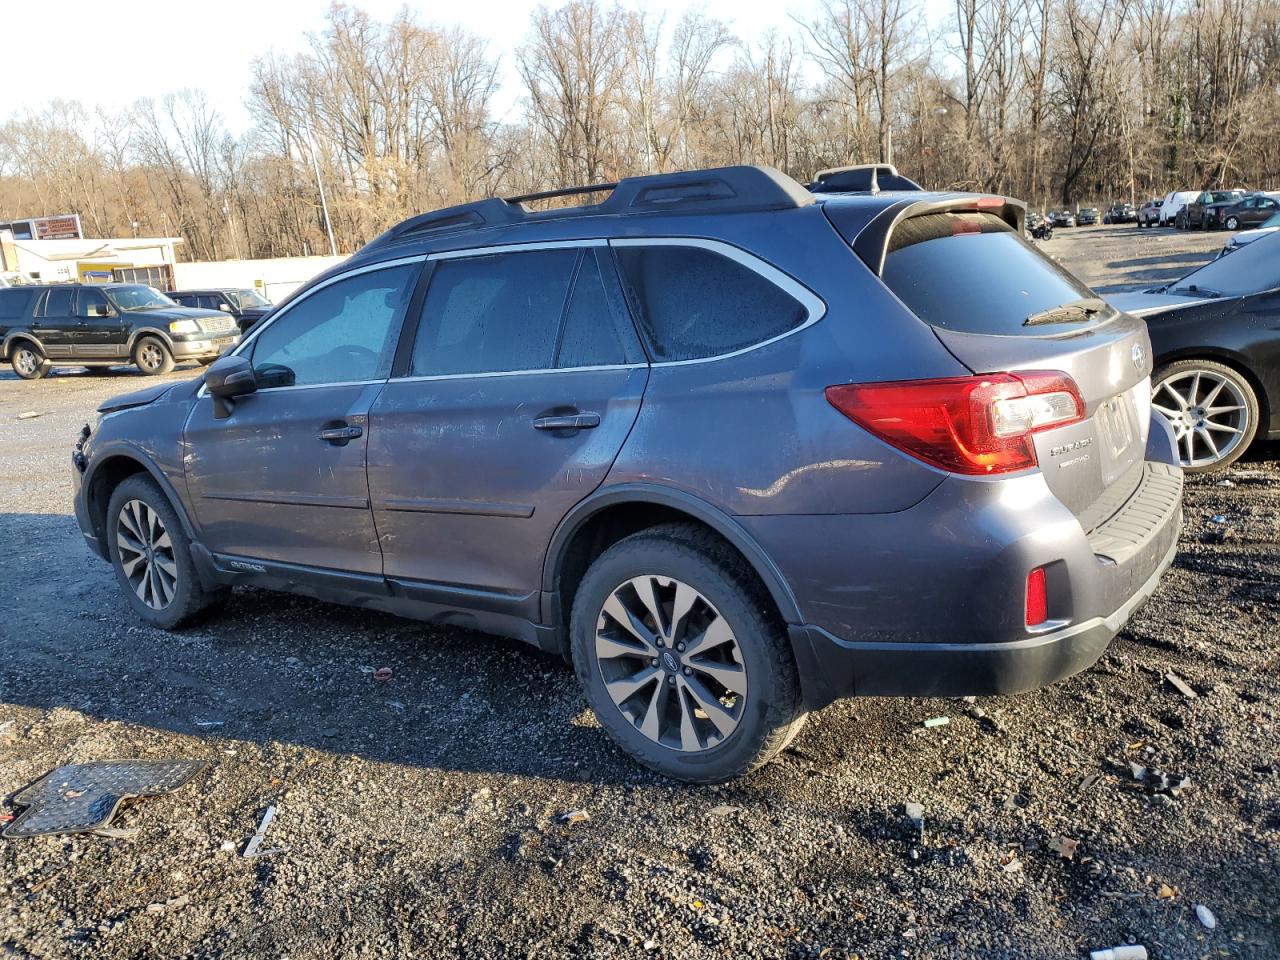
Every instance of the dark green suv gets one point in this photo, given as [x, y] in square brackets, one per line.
[100, 325]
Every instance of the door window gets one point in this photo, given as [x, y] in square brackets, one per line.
[209, 303]
[493, 314]
[58, 302]
[93, 303]
[345, 332]
[692, 303]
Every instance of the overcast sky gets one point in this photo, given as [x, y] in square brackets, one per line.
[113, 54]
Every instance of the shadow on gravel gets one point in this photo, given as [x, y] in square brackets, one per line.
[271, 668]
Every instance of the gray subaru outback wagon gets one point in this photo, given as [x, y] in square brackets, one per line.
[734, 446]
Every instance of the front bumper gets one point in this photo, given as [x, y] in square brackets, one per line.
[199, 349]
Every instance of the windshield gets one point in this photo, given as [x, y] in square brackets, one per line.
[1253, 268]
[1271, 221]
[129, 299]
[248, 299]
[969, 272]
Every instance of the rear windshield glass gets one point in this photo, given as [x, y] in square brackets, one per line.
[971, 272]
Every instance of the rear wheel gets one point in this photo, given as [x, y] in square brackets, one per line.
[28, 362]
[152, 357]
[680, 661]
[151, 555]
[1212, 408]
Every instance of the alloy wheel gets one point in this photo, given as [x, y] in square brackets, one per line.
[1208, 412]
[150, 356]
[146, 554]
[671, 663]
[27, 361]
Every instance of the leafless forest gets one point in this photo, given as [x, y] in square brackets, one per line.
[1055, 101]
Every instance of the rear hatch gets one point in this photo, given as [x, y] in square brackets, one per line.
[998, 305]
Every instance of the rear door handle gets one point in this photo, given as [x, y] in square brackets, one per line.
[572, 421]
[341, 435]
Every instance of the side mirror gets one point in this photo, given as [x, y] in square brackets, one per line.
[99, 310]
[224, 307]
[227, 378]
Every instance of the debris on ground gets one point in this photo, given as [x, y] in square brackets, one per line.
[1219, 518]
[84, 797]
[1166, 892]
[29, 415]
[1128, 952]
[574, 816]
[724, 810]
[1181, 685]
[915, 813]
[1065, 847]
[1206, 917]
[252, 848]
[382, 674]
[937, 721]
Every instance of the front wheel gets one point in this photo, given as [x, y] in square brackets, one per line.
[152, 356]
[151, 555]
[28, 362]
[1233, 223]
[1212, 408]
[680, 662]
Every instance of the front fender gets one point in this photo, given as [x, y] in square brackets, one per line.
[115, 450]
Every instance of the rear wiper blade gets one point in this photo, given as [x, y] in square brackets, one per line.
[1073, 312]
[1197, 291]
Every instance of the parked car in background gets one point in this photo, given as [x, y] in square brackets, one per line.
[1217, 353]
[100, 325]
[1087, 216]
[1249, 211]
[1174, 204]
[1201, 213]
[1149, 213]
[244, 303]
[1120, 212]
[1062, 218]
[1246, 237]
[551, 425]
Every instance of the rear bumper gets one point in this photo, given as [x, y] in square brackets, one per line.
[832, 668]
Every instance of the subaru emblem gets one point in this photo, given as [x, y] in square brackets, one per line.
[1139, 356]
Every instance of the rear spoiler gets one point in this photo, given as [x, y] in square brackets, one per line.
[871, 243]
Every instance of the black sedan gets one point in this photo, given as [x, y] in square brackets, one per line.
[1062, 218]
[1216, 338]
[1249, 212]
[1087, 216]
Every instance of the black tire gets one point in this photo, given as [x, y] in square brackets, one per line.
[772, 711]
[28, 362]
[205, 361]
[188, 597]
[1247, 424]
[152, 356]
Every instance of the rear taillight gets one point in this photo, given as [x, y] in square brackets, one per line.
[971, 425]
[1037, 598]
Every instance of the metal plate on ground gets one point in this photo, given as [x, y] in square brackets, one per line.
[82, 797]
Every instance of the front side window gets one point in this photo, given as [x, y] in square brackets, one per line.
[92, 304]
[345, 332]
[248, 299]
[692, 303]
[493, 314]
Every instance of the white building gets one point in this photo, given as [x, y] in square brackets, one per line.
[140, 259]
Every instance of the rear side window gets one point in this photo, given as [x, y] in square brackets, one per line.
[58, 302]
[591, 336]
[13, 303]
[693, 303]
[493, 314]
[970, 272]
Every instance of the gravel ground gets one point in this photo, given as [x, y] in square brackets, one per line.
[422, 815]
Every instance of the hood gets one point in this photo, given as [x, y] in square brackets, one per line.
[139, 398]
[168, 314]
[1248, 236]
[1140, 303]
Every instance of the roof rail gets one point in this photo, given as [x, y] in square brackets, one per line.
[737, 189]
[861, 178]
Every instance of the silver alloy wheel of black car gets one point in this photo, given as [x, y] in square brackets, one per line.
[146, 554]
[1233, 223]
[1208, 412]
[671, 663]
[150, 356]
[27, 362]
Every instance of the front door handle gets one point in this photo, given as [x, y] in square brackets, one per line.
[572, 421]
[342, 434]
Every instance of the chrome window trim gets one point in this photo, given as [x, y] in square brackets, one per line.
[537, 371]
[283, 311]
[815, 307]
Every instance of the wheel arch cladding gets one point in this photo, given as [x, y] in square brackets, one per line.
[601, 521]
[111, 471]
